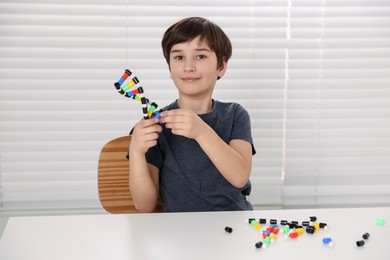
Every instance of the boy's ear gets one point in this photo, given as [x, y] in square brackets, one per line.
[222, 68]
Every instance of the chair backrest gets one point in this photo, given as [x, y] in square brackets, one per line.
[113, 177]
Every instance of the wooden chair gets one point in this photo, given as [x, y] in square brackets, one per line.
[113, 178]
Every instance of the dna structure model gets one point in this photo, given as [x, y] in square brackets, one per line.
[130, 87]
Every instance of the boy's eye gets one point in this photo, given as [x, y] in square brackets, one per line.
[201, 56]
[178, 57]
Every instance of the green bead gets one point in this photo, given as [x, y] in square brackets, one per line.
[286, 229]
[253, 222]
[267, 240]
[380, 222]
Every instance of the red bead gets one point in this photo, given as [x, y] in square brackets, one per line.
[270, 229]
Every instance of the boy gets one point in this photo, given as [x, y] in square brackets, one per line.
[198, 155]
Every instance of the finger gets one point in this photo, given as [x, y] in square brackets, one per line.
[173, 118]
[174, 112]
[148, 122]
[153, 129]
[151, 143]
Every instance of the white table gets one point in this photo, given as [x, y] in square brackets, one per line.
[193, 236]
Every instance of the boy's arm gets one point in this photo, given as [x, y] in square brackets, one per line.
[143, 177]
[143, 183]
[233, 160]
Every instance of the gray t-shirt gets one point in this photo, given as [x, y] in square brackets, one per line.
[189, 181]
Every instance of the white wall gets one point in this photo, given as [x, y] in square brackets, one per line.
[313, 74]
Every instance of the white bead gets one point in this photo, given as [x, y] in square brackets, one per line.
[326, 228]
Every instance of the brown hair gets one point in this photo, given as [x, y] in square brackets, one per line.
[189, 28]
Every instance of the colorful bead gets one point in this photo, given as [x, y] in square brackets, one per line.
[310, 229]
[156, 115]
[262, 221]
[380, 222]
[228, 229]
[316, 226]
[360, 243]
[137, 94]
[122, 79]
[131, 83]
[256, 225]
[326, 240]
[322, 225]
[250, 220]
[299, 231]
[259, 244]
[270, 229]
[152, 107]
[283, 222]
[366, 236]
[286, 229]
[326, 228]
[292, 225]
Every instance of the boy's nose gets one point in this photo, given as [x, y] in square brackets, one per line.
[189, 67]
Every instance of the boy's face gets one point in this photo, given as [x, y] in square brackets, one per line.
[194, 68]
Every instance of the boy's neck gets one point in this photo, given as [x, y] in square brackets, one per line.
[199, 106]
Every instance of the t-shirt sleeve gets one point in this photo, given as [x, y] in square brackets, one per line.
[242, 126]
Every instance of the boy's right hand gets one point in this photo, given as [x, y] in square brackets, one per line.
[145, 135]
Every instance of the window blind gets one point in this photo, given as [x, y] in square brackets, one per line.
[313, 74]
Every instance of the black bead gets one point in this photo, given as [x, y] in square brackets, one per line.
[262, 221]
[259, 244]
[360, 243]
[310, 229]
[228, 229]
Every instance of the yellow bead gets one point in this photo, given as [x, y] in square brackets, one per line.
[317, 226]
[300, 231]
[257, 226]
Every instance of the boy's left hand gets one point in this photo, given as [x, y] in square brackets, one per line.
[183, 122]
